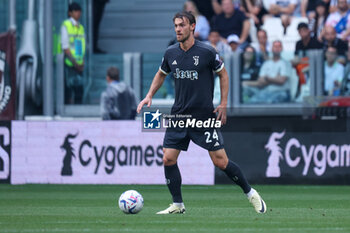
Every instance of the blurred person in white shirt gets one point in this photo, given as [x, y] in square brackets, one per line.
[333, 73]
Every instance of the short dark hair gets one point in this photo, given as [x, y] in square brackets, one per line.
[250, 46]
[74, 7]
[321, 3]
[262, 30]
[113, 73]
[184, 14]
[333, 48]
[214, 30]
[277, 41]
[302, 25]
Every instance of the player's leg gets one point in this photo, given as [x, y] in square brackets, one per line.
[173, 180]
[172, 173]
[233, 171]
[212, 140]
[175, 140]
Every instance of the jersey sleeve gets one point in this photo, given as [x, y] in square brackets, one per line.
[164, 67]
[216, 64]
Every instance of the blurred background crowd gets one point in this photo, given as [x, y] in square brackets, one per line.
[274, 37]
[276, 51]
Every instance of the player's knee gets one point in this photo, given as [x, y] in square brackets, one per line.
[168, 161]
[168, 158]
[220, 163]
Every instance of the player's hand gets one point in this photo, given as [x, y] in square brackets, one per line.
[147, 100]
[221, 110]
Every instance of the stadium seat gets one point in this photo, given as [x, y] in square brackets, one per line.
[273, 27]
[292, 30]
[292, 34]
[98, 73]
[266, 4]
[124, 28]
[289, 45]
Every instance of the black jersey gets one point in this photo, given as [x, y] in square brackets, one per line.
[193, 72]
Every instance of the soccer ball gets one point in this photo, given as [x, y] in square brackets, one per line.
[131, 202]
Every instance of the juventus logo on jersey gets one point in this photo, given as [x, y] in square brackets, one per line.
[196, 60]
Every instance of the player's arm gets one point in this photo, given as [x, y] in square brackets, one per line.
[224, 85]
[156, 84]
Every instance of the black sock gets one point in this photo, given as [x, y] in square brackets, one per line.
[173, 180]
[235, 173]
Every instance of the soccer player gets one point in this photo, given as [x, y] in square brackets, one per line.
[193, 63]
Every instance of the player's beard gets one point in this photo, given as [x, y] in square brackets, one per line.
[184, 39]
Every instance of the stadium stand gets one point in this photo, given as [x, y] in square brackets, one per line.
[274, 29]
[98, 80]
[137, 26]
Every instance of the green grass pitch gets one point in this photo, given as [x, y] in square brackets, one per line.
[220, 208]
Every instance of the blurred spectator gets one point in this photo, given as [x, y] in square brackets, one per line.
[118, 101]
[202, 29]
[254, 9]
[250, 70]
[98, 9]
[301, 61]
[340, 20]
[333, 73]
[215, 41]
[262, 48]
[232, 21]
[308, 8]
[345, 87]
[284, 9]
[233, 41]
[333, 5]
[306, 42]
[317, 23]
[330, 39]
[205, 8]
[73, 45]
[216, 7]
[272, 86]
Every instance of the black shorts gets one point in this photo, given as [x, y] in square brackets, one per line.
[210, 139]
